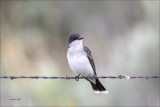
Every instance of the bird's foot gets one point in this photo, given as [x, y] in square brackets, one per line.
[77, 77]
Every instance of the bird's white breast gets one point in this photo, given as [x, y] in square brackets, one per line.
[78, 61]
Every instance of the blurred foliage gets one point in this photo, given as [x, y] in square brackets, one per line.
[122, 35]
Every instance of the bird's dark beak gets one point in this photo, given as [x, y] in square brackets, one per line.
[80, 38]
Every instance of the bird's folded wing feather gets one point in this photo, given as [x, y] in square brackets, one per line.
[89, 55]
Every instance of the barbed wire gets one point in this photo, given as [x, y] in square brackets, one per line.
[79, 77]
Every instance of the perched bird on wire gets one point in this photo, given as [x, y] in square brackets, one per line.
[81, 62]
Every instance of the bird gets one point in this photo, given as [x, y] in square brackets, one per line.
[81, 62]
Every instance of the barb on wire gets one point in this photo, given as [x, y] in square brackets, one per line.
[79, 77]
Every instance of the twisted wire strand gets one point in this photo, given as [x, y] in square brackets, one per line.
[79, 77]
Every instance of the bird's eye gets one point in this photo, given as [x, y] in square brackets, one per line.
[74, 38]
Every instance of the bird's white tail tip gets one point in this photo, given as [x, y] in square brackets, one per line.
[101, 92]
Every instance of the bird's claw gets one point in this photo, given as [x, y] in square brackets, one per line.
[77, 77]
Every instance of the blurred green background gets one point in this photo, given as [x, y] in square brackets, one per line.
[122, 35]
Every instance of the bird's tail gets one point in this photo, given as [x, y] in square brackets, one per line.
[98, 87]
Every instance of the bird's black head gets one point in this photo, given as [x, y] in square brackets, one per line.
[73, 37]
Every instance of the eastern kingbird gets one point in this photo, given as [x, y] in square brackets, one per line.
[81, 62]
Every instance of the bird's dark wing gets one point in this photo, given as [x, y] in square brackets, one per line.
[89, 55]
